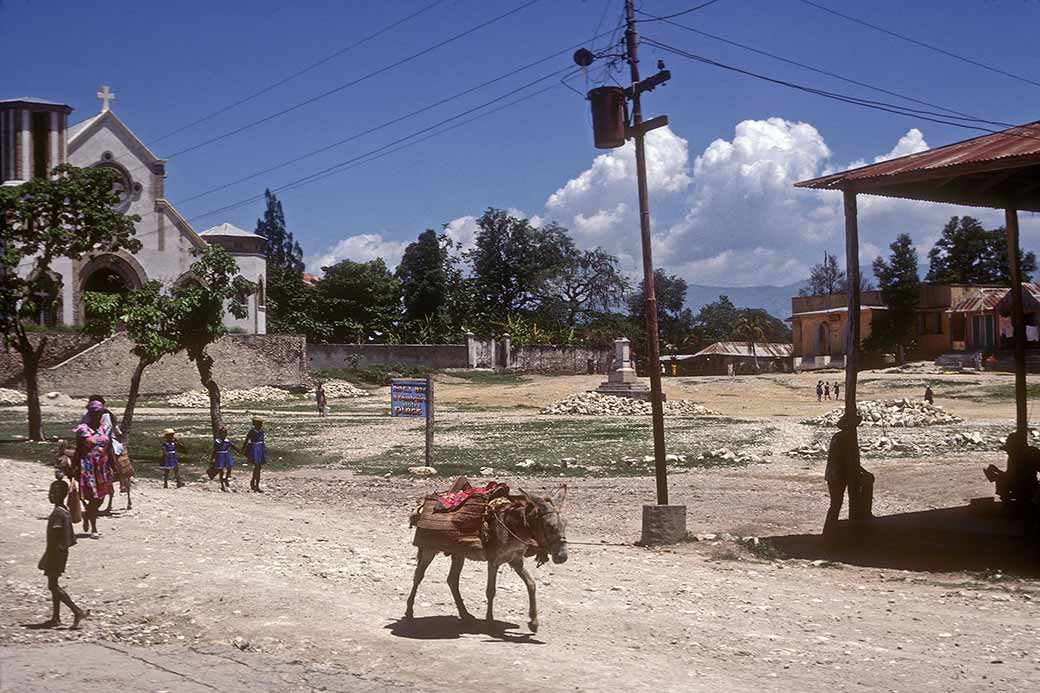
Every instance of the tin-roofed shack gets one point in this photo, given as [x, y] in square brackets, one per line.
[720, 357]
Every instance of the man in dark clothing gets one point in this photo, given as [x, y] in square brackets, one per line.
[928, 395]
[844, 472]
[819, 390]
[1018, 486]
[59, 538]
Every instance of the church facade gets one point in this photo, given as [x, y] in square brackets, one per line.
[35, 137]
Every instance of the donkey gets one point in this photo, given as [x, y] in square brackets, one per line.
[525, 526]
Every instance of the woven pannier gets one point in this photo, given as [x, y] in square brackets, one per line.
[457, 531]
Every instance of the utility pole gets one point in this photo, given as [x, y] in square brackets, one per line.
[653, 345]
[662, 523]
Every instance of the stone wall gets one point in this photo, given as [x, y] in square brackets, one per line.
[60, 346]
[434, 356]
[240, 361]
[559, 360]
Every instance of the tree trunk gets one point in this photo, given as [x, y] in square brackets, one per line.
[754, 357]
[30, 370]
[204, 362]
[131, 399]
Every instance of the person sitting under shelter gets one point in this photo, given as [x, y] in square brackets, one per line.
[844, 472]
[1018, 486]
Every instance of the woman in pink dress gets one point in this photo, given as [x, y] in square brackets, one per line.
[93, 448]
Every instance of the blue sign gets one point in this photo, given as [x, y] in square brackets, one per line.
[408, 398]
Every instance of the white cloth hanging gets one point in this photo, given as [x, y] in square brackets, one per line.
[1032, 333]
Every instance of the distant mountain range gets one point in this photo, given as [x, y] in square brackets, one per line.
[776, 300]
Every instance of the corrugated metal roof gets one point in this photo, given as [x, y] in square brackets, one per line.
[980, 301]
[227, 229]
[1030, 299]
[33, 99]
[1017, 146]
[762, 349]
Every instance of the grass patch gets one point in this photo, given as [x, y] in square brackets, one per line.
[488, 378]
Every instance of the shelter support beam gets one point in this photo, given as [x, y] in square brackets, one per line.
[1018, 320]
[852, 274]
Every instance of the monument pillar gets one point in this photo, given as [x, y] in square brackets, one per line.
[623, 381]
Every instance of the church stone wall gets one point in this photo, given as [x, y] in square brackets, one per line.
[240, 361]
[60, 346]
[560, 360]
[434, 356]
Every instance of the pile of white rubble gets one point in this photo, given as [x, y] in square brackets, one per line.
[9, 397]
[894, 413]
[261, 393]
[341, 389]
[596, 404]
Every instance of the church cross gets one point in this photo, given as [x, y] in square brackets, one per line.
[105, 96]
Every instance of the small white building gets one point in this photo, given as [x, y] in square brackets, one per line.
[35, 137]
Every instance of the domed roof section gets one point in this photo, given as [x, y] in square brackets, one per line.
[229, 230]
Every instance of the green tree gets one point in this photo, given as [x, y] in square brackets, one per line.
[68, 215]
[512, 261]
[286, 292]
[714, 323]
[283, 251]
[675, 322]
[968, 253]
[900, 286]
[827, 278]
[151, 319]
[364, 300]
[423, 279]
[201, 305]
[750, 329]
[587, 282]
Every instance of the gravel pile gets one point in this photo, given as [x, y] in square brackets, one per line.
[727, 456]
[809, 451]
[200, 399]
[11, 396]
[341, 389]
[596, 404]
[895, 413]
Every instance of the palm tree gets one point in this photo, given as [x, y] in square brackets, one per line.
[750, 328]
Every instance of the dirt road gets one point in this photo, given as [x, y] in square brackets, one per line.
[305, 586]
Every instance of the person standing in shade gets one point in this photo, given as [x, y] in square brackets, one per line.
[222, 460]
[170, 461]
[60, 538]
[837, 390]
[826, 390]
[819, 390]
[929, 396]
[321, 400]
[256, 451]
[845, 473]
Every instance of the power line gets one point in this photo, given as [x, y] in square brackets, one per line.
[856, 101]
[299, 72]
[809, 67]
[387, 123]
[335, 168]
[356, 81]
[922, 44]
[676, 14]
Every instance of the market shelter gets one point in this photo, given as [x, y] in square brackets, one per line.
[999, 170]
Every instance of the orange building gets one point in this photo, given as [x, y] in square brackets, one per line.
[959, 318]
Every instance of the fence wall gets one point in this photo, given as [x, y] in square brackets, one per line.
[361, 355]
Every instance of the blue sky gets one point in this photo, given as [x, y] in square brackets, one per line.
[724, 212]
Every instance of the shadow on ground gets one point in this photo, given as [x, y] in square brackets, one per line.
[958, 539]
[452, 627]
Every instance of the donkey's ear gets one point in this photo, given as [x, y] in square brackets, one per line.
[559, 496]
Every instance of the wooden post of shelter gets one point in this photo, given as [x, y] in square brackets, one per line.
[1018, 321]
[852, 276]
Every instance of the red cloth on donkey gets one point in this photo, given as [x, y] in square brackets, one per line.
[453, 499]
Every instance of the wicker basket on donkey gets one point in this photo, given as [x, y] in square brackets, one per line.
[457, 531]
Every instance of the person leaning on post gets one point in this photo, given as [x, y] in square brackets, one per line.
[844, 473]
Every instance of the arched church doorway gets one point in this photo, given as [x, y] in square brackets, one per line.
[107, 274]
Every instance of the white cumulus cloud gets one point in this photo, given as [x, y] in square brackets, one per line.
[359, 248]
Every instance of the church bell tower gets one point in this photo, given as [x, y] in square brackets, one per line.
[32, 138]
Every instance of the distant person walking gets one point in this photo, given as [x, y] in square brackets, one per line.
[222, 460]
[60, 538]
[321, 400]
[170, 460]
[837, 390]
[256, 451]
[826, 390]
[929, 396]
[819, 390]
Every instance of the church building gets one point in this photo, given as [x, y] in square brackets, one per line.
[35, 136]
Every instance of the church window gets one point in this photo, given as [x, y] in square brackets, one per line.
[41, 141]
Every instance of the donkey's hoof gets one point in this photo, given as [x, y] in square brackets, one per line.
[533, 625]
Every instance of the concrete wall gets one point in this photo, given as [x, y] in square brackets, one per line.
[240, 361]
[347, 355]
[559, 360]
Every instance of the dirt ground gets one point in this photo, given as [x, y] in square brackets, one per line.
[303, 588]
